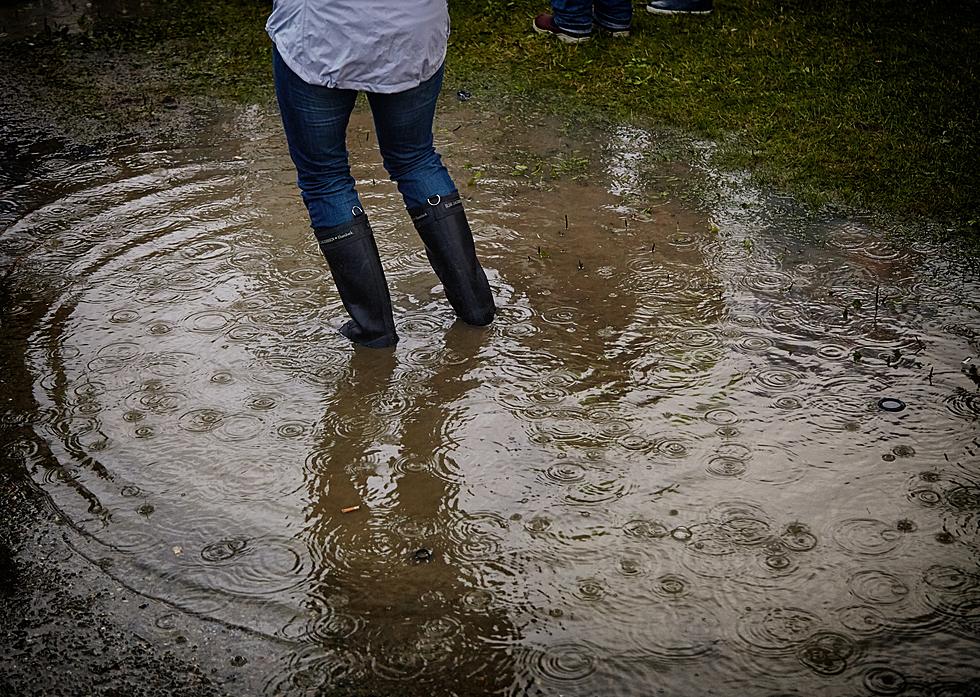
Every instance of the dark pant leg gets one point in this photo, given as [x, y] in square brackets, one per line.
[403, 122]
[614, 14]
[574, 16]
[315, 120]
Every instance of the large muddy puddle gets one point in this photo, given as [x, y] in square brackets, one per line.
[664, 469]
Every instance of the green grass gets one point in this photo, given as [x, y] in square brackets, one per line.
[867, 103]
[861, 102]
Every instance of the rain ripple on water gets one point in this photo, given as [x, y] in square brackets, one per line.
[664, 463]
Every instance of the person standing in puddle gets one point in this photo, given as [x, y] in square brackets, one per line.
[324, 53]
[571, 21]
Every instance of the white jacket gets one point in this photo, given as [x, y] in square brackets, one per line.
[367, 45]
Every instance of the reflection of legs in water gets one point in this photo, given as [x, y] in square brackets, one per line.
[414, 631]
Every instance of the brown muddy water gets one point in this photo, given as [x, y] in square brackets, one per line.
[662, 470]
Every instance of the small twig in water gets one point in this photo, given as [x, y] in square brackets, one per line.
[669, 489]
[931, 371]
[877, 291]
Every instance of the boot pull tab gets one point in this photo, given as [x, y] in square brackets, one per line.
[442, 207]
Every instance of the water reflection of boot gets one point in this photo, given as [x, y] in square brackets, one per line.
[354, 262]
[449, 246]
[400, 600]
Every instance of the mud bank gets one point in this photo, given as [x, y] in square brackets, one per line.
[67, 627]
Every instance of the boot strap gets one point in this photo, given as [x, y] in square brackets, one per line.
[444, 207]
[326, 236]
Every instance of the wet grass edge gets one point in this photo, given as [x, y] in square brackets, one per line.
[850, 104]
[858, 104]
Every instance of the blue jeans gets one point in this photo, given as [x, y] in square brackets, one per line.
[315, 121]
[576, 16]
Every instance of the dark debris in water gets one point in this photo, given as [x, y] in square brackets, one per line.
[905, 525]
[891, 404]
[423, 555]
[969, 368]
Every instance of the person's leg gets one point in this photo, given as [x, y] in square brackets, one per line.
[352, 255]
[573, 16]
[441, 223]
[614, 15]
[403, 123]
[315, 121]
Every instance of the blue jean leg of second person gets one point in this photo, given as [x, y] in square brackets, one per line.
[315, 120]
[576, 16]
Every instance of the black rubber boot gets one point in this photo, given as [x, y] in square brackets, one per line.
[354, 262]
[441, 224]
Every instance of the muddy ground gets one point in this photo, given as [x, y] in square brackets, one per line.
[67, 628]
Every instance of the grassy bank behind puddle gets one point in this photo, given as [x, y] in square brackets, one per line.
[862, 102]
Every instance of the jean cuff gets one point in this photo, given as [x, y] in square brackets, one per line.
[579, 28]
[610, 23]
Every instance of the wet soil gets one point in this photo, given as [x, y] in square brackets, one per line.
[66, 628]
